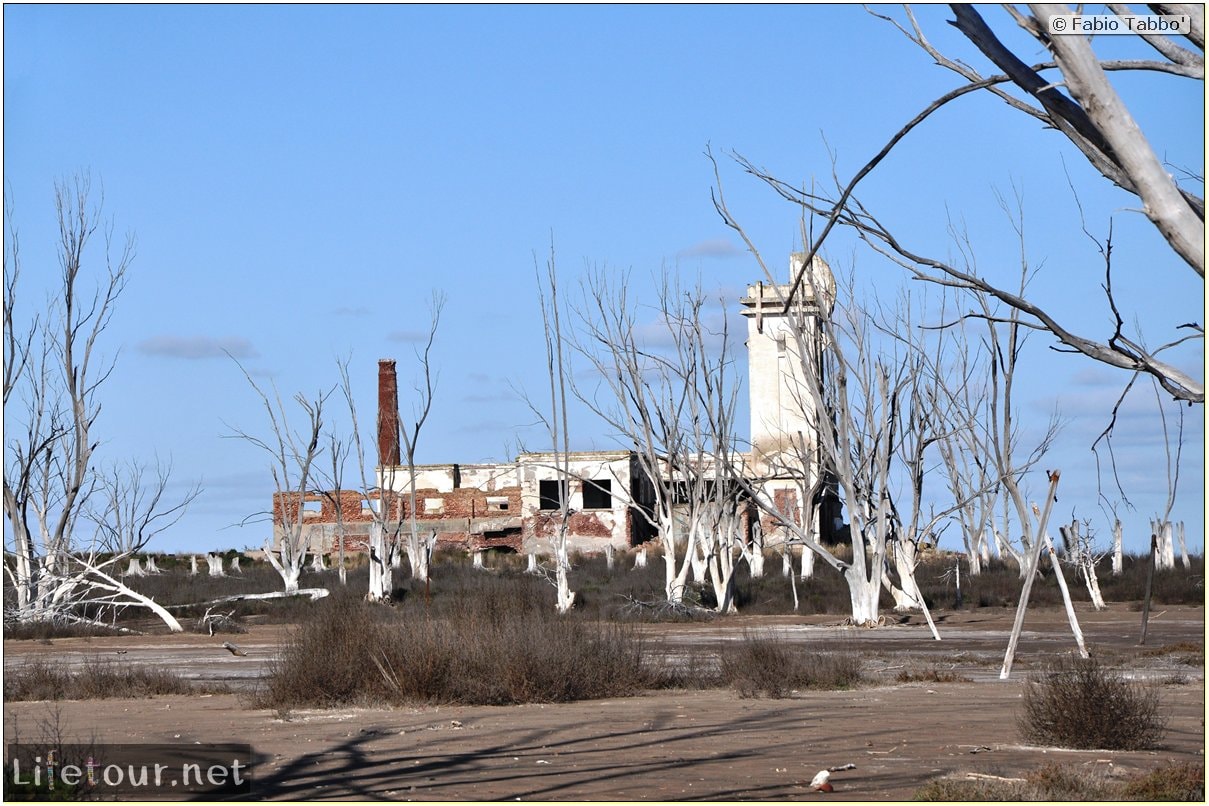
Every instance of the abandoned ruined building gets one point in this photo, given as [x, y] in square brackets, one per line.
[517, 505]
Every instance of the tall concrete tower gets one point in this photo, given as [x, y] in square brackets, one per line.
[780, 410]
[783, 413]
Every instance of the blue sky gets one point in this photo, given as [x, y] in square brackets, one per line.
[300, 178]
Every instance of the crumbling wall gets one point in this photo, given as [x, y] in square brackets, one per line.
[468, 516]
[353, 507]
[786, 501]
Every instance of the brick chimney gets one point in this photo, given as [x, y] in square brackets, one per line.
[388, 414]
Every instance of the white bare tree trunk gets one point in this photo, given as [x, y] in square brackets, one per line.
[904, 556]
[193, 565]
[1165, 557]
[290, 570]
[979, 553]
[418, 550]
[608, 552]
[862, 594]
[786, 560]
[290, 580]
[696, 555]
[721, 578]
[152, 568]
[1070, 607]
[235, 569]
[135, 569]
[477, 561]
[723, 545]
[317, 561]
[1087, 567]
[214, 561]
[1081, 552]
[532, 568]
[808, 559]
[1179, 531]
[640, 558]
[566, 597]
[1118, 558]
[1030, 564]
[755, 558]
[1006, 550]
[381, 569]
[100, 580]
[675, 579]
[424, 563]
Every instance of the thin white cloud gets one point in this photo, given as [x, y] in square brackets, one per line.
[194, 348]
[409, 336]
[498, 396]
[714, 247]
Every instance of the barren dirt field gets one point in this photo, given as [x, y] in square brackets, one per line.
[694, 745]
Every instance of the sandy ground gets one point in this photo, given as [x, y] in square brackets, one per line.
[659, 746]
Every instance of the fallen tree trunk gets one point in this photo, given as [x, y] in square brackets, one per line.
[314, 593]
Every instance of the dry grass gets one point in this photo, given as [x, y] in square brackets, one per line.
[608, 594]
[38, 679]
[930, 675]
[765, 666]
[495, 648]
[1055, 782]
[1186, 652]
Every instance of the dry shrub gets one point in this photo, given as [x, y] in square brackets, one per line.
[1189, 653]
[98, 679]
[689, 668]
[764, 665]
[930, 675]
[1184, 781]
[1059, 782]
[48, 629]
[1079, 704]
[960, 790]
[490, 649]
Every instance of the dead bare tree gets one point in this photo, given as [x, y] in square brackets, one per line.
[379, 494]
[133, 509]
[1098, 123]
[418, 549]
[53, 377]
[1032, 563]
[292, 455]
[1082, 554]
[557, 424]
[964, 449]
[714, 505]
[333, 490]
[852, 395]
[673, 404]
[214, 565]
[926, 418]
